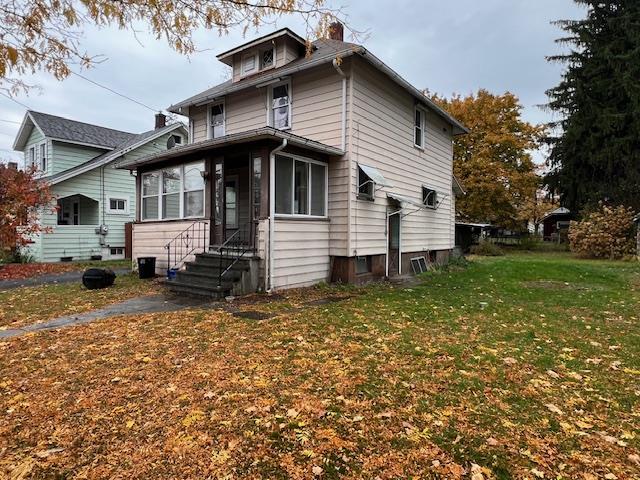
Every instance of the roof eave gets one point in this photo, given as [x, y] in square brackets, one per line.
[19, 143]
[265, 38]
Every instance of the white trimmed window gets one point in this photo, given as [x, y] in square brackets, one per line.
[280, 106]
[267, 58]
[418, 128]
[190, 131]
[216, 120]
[173, 192]
[32, 156]
[43, 157]
[249, 64]
[301, 187]
[118, 205]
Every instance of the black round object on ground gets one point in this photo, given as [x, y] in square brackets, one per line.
[146, 267]
[95, 278]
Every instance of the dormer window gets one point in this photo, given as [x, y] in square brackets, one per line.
[280, 101]
[267, 58]
[249, 64]
[216, 124]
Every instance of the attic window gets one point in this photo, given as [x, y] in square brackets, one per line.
[266, 58]
[248, 64]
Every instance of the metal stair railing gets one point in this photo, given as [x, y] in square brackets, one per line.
[187, 242]
[234, 248]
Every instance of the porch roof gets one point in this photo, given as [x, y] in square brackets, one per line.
[265, 133]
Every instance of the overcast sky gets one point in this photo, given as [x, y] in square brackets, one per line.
[453, 46]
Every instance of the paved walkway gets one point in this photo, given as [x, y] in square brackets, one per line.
[49, 278]
[147, 304]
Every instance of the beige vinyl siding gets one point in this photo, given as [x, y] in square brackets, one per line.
[65, 155]
[246, 110]
[198, 118]
[301, 253]
[383, 138]
[149, 240]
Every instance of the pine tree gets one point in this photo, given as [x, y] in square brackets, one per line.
[596, 156]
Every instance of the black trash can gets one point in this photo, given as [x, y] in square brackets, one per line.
[95, 278]
[146, 267]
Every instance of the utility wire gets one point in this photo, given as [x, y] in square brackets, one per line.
[14, 100]
[114, 92]
[10, 121]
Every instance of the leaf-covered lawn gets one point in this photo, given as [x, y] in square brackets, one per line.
[25, 305]
[14, 271]
[518, 367]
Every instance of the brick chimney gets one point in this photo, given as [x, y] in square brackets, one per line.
[161, 120]
[336, 31]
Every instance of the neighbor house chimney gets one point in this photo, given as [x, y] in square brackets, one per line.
[336, 31]
[161, 120]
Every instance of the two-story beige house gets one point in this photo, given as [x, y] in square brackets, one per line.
[312, 163]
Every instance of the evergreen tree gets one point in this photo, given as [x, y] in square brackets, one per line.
[596, 155]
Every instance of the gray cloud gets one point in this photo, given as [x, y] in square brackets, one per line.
[456, 46]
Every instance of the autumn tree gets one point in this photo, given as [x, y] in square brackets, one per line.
[22, 198]
[493, 161]
[45, 35]
[595, 153]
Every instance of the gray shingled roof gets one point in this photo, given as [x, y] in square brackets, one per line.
[324, 50]
[73, 131]
[111, 155]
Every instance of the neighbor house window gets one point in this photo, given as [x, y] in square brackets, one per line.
[418, 129]
[429, 197]
[216, 128]
[118, 206]
[117, 251]
[280, 102]
[301, 187]
[365, 185]
[173, 192]
[267, 58]
[43, 157]
[32, 156]
[363, 265]
[249, 64]
[190, 131]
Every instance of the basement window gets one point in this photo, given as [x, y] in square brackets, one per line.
[363, 264]
[419, 265]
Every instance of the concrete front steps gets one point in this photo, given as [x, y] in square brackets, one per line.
[201, 277]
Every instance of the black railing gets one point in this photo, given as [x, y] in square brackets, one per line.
[190, 240]
[232, 250]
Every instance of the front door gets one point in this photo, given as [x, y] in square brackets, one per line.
[394, 244]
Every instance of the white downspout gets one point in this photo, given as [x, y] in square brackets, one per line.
[272, 209]
[344, 103]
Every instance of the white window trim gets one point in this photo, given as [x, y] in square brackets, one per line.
[435, 197]
[159, 195]
[190, 130]
[422, 126]
[32, 156]
[270, 103]
[236, 221]
[293, 190]
[273, 63]
[43, 156]
[256, 65]
[210, 119]
[127, 208]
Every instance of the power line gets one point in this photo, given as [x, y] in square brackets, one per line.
[10, 121]
[116, 93]
[14, 100]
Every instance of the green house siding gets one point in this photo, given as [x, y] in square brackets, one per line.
[65, 156]
[35, 140]
[93, 189]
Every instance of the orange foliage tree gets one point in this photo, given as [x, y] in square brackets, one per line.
[494, 160]
[22, 198]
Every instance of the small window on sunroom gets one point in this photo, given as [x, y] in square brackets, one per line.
[429, 197]
[365, 185]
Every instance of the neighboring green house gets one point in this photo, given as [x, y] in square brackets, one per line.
[94, 200]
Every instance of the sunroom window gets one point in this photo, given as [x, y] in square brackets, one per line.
[173, 192]
[301, 187]
[280, 114]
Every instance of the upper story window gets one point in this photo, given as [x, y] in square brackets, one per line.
[32, 156]
[366, 185]
[418, 128]
[217, 118]
[429, 197]
[280, 103]
[249, 64]
[267, 58]
[43, 157]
